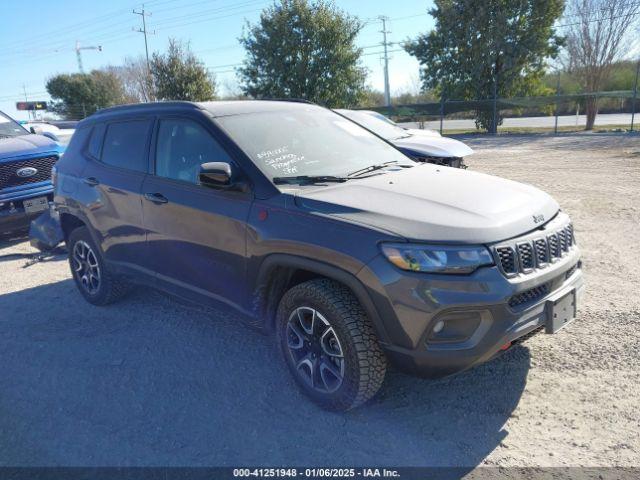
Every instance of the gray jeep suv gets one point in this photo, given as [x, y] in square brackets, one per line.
[318, 231]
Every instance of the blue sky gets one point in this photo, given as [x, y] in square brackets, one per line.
[38, 38]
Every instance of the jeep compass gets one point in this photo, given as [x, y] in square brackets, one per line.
[318, 231]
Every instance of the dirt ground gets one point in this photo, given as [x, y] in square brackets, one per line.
[151, 381]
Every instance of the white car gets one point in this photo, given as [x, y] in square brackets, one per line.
[413, 131]
[421, 145]
[61, 135]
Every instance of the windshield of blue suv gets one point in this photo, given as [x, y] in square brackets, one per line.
[10, 128]
[308, 141]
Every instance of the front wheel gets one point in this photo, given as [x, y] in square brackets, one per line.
[329, 344]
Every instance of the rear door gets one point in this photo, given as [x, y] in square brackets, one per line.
[196, 235]
[112, 178]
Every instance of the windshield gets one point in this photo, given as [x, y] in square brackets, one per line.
[380, 127]
[10, 128]
[379, 116]
[307, 140]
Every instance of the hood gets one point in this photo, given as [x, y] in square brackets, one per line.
[436, 204]
[26, 145]
[433, 146]
[426, 132]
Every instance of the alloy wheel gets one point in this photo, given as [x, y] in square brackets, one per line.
[86, 267]
[315, 349]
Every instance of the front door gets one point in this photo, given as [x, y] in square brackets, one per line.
[196, 235]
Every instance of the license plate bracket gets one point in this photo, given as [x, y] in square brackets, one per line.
[37, 204]
[561, 312]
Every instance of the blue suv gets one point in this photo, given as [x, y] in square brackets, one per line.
[26, 161]
[314, 229]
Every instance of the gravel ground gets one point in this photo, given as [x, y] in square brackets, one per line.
[152, 381]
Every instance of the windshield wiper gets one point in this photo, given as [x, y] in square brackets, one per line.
[370, 168]
[309, 179]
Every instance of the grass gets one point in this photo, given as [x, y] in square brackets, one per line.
[524, 130]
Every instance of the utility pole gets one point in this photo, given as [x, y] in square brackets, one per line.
[26, 99]
[494, 126]
[79, 55]
[635, 96]
[555, 127]
[385, 44]
[144, 31]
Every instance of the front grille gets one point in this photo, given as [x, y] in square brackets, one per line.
[562, 240]
[542, 254]
[568, 232]
[8, 171]
[526, 254]
[507, 259]
[529, 296]
[554, 246]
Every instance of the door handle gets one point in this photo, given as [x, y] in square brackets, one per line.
[156, 197]
[91, 181]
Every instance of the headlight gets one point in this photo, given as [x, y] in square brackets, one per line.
[437, 258]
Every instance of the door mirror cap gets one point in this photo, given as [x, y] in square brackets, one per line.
[217, 175]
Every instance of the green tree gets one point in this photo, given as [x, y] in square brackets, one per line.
[179, 75]
[302, 49]
[78, 95]
[478, 48]
[601, 32]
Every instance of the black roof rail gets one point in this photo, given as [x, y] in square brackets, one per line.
[147, 106]
[296, 100]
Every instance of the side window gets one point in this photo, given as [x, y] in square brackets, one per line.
[78, 140]
[95, 143]
[125, 144]
[183, 146]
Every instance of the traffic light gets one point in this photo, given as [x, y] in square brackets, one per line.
[31, 105]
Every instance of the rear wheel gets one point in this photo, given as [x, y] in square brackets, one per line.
[90, 273]
[329, 344]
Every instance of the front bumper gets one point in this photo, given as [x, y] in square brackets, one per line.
[411, 304]
[13, 217]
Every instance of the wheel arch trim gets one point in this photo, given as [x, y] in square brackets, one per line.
[273, 261]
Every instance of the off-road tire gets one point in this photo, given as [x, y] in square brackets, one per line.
[364, 361]
[111, 287]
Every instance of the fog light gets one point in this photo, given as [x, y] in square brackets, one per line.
[457, 326]
[437, 328]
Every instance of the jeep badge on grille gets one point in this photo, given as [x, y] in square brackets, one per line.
[538, 218]
[27, 172]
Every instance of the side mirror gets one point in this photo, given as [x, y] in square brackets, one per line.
[216, 175]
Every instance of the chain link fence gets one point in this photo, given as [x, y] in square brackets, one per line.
[617, 110]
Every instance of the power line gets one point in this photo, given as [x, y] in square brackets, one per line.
[199, 15]
[71, 30]
[595, 20]
[143, 30]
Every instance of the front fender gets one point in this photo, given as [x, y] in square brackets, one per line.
[265, 307]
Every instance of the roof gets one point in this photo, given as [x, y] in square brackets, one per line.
[216, 108]
[236, 107]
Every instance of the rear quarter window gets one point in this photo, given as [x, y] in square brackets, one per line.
[78, 140]
[95, 143]
[125, 144]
